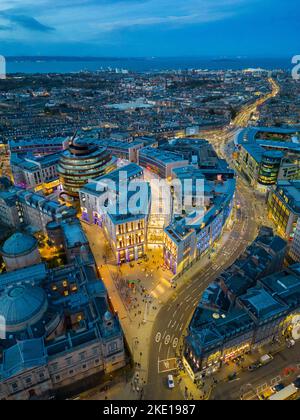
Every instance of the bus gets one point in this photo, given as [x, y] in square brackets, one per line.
[285, 394]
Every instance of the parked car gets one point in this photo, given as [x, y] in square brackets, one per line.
[278, 387]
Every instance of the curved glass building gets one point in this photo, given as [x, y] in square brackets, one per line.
[270, 167]
[79, 163]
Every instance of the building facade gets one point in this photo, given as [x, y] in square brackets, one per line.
[125, 230]
[36, 173]
[79, 163]
[19, 207]
[284, 207]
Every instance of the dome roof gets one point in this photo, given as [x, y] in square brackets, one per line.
[19, 244]
[22, 306]
[108, 316]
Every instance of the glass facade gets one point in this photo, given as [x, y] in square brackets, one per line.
[80, 163]
[269, 168]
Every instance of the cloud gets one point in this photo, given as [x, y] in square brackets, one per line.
[102, 21]
[23, 21]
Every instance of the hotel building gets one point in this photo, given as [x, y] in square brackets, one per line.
[126, 231]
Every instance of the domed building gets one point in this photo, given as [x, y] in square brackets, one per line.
[19, 251]
[80, 162]
[22, 307]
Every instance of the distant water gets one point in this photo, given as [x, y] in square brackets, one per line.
[143, 64]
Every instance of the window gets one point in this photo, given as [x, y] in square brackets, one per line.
[69, 361]
[112, 347]
[54, 367]
[14, 386]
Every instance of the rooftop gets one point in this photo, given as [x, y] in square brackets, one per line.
[19, 244]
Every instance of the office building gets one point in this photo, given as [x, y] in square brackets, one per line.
[284, 207]
[266, 155]
[36, 173]
[160, 162]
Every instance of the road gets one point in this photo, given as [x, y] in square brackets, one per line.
[250, 383]
[174, 317]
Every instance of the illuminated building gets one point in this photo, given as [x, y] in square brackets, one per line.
[160, 162]
[36, 173]
[284, 207]
[125, 230]
[38, 146]
[192, 234]
[79, 163]
[20, 208]
[126, 150]
[295, 246]
[269, 309]
[268, 154]
[261, 167]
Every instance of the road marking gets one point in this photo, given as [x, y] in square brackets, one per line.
[167, 365]
[175, 342]
[167, 340]
[158, 337]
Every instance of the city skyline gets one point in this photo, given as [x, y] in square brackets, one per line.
[149, 28]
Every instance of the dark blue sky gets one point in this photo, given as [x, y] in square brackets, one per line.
[267, 28]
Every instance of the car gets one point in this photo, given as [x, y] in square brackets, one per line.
[278, 387]
[291, 343]
[254, 367]
[171, 383]
[297, 383]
